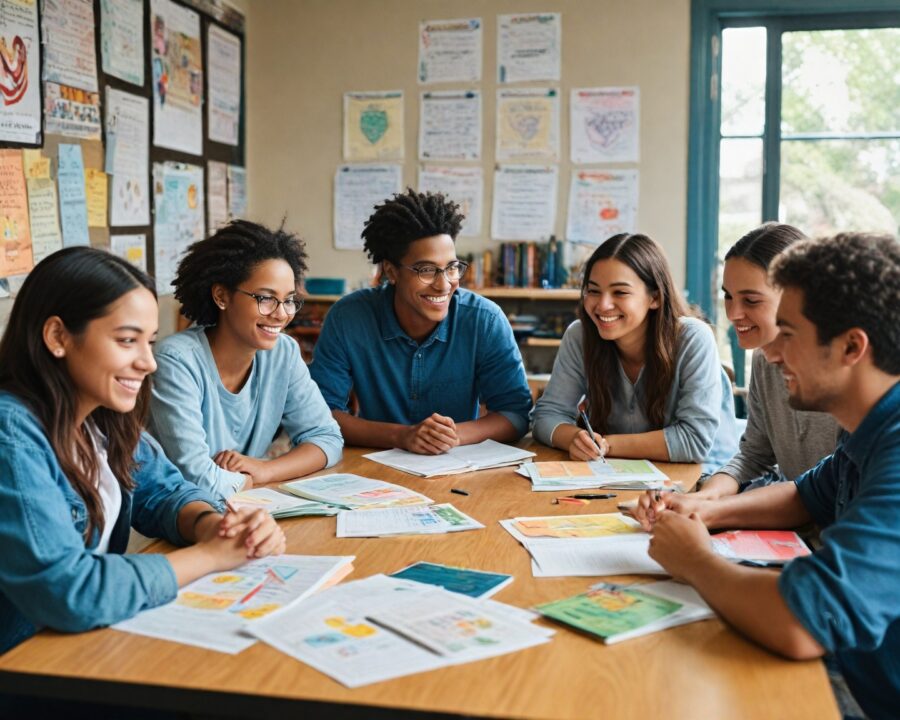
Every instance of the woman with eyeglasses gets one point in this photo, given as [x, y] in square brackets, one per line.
[420, 354]
[226, 384]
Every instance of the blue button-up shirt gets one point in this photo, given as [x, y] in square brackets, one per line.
[471, 357]
[846, 594]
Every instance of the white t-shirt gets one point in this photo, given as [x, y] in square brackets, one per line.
[110, 493]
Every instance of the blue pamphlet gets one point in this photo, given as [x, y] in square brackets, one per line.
[474, 583]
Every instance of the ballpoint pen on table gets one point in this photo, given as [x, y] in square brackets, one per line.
[587, 426]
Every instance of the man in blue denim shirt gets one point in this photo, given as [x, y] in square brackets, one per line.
[420, 354]
[839, 351]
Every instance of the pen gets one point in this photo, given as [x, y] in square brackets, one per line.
[587, 426]
[458, 491]
[594, 496]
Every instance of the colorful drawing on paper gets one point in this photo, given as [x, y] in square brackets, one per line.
[576, 526]
[373, 126]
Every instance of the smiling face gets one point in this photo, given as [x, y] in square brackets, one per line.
[420, 307]
[618, 302]
[241, 318]
[109, 361]
[750, 303]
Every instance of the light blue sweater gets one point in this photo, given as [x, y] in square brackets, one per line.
[194, 416]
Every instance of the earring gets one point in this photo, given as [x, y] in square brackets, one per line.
[58, 352]
[221, 306]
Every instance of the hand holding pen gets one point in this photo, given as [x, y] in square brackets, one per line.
[587, 445]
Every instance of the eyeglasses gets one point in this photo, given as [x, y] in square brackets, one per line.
[428, 273]
[268, 304]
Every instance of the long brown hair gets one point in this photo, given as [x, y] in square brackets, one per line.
[601, 359]
[78, 284]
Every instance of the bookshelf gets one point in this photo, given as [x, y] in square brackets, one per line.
[516, 293]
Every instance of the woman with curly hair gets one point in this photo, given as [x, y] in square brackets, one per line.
[226, 384]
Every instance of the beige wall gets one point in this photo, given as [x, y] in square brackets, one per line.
[304, 54]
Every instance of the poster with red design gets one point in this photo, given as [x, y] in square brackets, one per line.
[20, 72]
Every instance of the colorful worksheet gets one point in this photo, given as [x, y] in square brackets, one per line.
[354, 492]
[577, 526]
[474, 583]
[419, 520]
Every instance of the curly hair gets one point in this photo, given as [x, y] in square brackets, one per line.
[851, 280]
[408, 217]
[228, 258]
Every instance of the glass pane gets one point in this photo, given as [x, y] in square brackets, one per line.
[829, 186]
[743, 81]
[841, 81]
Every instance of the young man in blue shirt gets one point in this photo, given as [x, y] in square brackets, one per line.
[839, 352]
[420, 354]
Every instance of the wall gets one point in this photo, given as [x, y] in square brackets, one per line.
[304, 54]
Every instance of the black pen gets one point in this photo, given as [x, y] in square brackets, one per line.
[589, 496]
[458, 491]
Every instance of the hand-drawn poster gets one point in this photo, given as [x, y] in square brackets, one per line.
[96, 192]
[450, 125]
[68, 34]
[127, 157]
[373, 125]
[450, 50]
[524, 202]
[36, 165]
[177, 64]
[122, 39]
[178, 217]
[527, 124]
[15, 233]
[71, 111]
[529, 47]
[463, 185]
[605, 124]
[20, 72]
[237, 192]
[357, 190]
[72, 197]
[46, 237]
[132, 248]
[224, 106]
[216, 195]
[602, 203]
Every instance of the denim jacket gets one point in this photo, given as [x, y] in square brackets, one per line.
[49, 577]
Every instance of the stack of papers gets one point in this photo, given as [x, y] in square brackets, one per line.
[352, 492]
[381, 628]
[215, 611]
[760, 547]
[474, 583]
[422, 520]
[280, 504]
[463, 458]
[619, 612]
[584, 545]
[615, 473]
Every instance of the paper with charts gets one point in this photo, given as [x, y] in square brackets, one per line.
[577, 526]
[463, 458]
[213, 612]
[353, 492]
[619, 473]
[338, 631]
[280, 504]
[421, 520]
[761, 547]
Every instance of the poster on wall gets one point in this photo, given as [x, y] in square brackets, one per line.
[605, 124]
[68, 34]
[463, 185]
[132, 248]
[177, 65]
[71, 111]
[127, 157]
[529, 47]
[224, 106]
[20, 72]
[450, 125]
[357, 190]
[237, 192]
[15, 233]
[46, 236]
[122, 39]
[450, 50]
[527, 124]
[178, 217]
[72, 196]
[602, 203]
[524, 202]
[216, 195]
[373, 125]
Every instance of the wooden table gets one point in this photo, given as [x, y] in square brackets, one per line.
[701, 670]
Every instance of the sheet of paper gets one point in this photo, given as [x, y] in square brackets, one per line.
[524, 202]
[373, 125]
[72, 197]
[68, 34]
[122, 39]
[428, 519]
[214, 611]
[237, 192]
[463, 458]
[464, 185]
[71, 111]
[529, 47]
[177, 63]
[95, 185]
[278, 503]
[20, 86]
[474, 583]
[127, 157]
[450, 50]
[15, 233]
[132, 248]
[36, 165]
[224, 106]
[354, 491]
[605, 124]
[46, 236]
[216, 194]
[602, 203]
[450, 125]
[577, 526]
[179, 218]
[527, 124]
[357, 190]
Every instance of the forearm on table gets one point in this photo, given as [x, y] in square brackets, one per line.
[775, 506]
[369, 433]
[648, 445]
[492, 426]
[297, 462]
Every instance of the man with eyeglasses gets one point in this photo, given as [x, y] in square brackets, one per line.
[420, 354]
